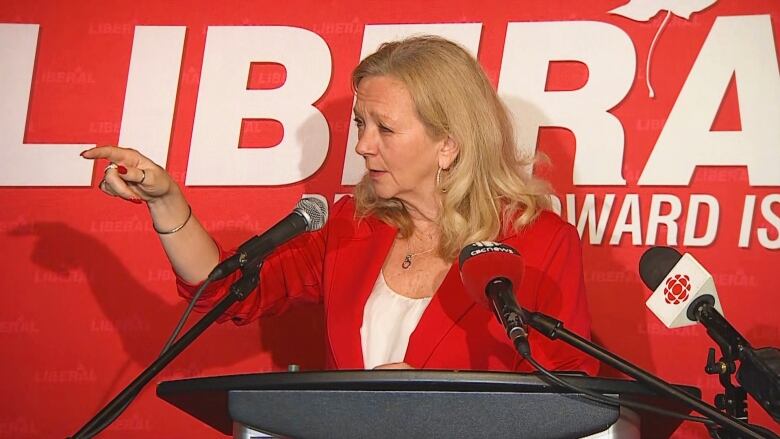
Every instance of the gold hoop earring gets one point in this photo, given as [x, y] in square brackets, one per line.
[438, 181]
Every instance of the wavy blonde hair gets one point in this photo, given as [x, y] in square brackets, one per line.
[488, 188]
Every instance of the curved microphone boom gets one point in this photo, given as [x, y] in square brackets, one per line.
[310, 214]
[490, 271]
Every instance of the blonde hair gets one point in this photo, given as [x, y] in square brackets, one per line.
[487, 188]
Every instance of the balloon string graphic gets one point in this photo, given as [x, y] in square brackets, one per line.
[650, 90]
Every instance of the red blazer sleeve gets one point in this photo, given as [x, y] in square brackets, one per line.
[560, 293]
[291, 274]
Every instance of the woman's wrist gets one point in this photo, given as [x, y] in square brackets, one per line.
[177, 228]
[170, 213]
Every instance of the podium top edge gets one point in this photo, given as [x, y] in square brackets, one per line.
[406, 380]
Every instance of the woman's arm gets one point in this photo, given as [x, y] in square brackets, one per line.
[133, 177]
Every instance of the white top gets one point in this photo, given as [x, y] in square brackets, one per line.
[388, 320]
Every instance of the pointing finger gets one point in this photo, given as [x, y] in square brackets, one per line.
[113, 154]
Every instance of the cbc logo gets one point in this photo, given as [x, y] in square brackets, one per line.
[677, 289]
[483, 244]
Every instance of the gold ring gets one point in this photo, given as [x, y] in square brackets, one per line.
[111, 165]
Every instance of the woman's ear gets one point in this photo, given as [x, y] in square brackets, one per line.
[448, 152]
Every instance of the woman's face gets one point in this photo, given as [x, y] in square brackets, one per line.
[401, 158]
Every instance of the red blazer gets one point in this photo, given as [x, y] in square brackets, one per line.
[339, 265]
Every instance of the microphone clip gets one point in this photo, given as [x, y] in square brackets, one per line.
[733, 400]
[509, 313]
[732, 344]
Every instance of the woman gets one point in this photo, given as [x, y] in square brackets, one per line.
[442, 172]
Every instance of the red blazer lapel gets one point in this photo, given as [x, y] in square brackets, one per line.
[448, 305]
[355, 269]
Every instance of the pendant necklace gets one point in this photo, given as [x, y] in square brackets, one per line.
[409, 255]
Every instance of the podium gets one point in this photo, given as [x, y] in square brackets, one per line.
[412, 403]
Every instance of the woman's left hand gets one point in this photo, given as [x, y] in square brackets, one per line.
[393, 366]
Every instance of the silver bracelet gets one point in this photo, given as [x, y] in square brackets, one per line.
[177, 228]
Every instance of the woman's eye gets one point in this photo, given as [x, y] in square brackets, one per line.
[358, 123]
[385, 129]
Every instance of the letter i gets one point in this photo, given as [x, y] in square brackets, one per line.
[747, 221]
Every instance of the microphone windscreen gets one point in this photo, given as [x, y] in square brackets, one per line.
[315, 211]
[484, 261]
[656, 263]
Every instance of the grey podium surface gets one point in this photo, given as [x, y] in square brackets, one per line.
[411, 403]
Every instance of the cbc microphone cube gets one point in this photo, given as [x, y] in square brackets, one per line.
[685, 282]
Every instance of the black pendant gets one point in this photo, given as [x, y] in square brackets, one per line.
[407, 262]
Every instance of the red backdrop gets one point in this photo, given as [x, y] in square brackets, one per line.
[223, 92]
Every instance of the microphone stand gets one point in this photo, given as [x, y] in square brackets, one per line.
[239, 291]
[732, 345]
[553, 329]
[755, 366]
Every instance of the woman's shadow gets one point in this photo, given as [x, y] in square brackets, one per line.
[126, 301]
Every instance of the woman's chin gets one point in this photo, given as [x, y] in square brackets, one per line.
[383, 194]
[383, 191]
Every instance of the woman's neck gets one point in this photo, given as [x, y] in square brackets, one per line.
[426, 226]
[423, 212]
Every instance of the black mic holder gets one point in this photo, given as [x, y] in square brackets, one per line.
[554, 330]
[758, 372]
[733, 400]
[732, 344]
[239, 291]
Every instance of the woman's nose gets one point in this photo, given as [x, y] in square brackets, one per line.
[366, 144]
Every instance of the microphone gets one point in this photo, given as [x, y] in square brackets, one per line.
[490, 271]
[683, 294]
[310, 214]
[681, 289]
